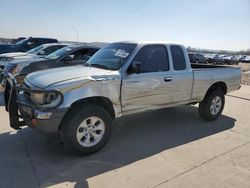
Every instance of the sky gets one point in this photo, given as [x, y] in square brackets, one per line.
[210, 24]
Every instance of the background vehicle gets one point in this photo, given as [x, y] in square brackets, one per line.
[240, 57]
[197, 58]
[14, 41]
[40, 51]
[246, 59]
[217, 59]
[67, 56]
[25, 44]
[121, 78]
[209, 58]
[230, 60]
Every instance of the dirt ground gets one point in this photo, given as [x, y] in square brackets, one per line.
[245, 78]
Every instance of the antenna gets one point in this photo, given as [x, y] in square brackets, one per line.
[76, 33]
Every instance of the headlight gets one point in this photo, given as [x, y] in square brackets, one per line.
[19, 78]
[38, 98]
[45, 99]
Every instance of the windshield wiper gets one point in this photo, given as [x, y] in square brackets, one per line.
[100, 66]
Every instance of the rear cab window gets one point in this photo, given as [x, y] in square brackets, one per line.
[178, 57]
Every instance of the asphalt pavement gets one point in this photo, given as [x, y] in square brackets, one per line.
[163, 148]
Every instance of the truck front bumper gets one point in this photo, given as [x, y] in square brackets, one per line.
[50, 124]
[42, 121]
[22, 112]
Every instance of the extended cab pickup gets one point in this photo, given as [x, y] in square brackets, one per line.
[121, 78]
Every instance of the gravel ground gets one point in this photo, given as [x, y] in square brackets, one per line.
[245, 78]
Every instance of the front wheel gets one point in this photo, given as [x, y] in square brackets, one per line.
[86, 130]
[212, 105]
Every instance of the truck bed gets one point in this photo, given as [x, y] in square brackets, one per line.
[206, 75]
[204, 66]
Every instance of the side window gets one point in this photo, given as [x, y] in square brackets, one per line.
[59, 47]
[50, 50]
[31, 43]
[178, 57]
[82, 55]
[36, 41]
[153, 58]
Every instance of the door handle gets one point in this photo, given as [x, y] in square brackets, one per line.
[167, 79]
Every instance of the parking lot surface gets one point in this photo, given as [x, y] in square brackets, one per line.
[164, 148]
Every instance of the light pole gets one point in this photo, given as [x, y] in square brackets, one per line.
[76, 33]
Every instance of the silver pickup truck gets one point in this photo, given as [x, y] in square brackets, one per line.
[122, 78]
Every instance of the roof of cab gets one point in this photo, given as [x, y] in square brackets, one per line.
[148, 42]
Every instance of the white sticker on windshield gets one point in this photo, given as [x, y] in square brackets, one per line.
[121, 53]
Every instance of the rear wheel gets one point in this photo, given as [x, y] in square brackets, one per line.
[212, 105]
[86, 130]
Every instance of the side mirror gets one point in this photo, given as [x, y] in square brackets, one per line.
[135, 67]
[41, 53]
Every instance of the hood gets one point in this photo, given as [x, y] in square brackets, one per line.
[13, 54]
[24, 59]
[45, 78]
[27, 56]
[5, 48]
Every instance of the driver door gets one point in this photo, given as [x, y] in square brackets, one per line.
[151, 86]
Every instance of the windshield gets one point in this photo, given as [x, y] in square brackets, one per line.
[17, 40]
[112, 56]
[35, 50]
[59, 53]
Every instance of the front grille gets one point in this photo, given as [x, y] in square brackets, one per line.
[6, 59]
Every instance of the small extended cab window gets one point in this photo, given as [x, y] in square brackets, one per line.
[178, 57]
[153, 58]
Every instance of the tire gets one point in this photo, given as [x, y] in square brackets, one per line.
[209, 112]
[77, 130]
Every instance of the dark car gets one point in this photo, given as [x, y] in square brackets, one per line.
[197, 58]
[240, 57]
[67, 56]
[246, 59]
[40, 51]
[230, 60]
[209, 58]
[14, 41]
[216, 59]
[25, 44]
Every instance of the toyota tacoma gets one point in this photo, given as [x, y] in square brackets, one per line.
[122, 78]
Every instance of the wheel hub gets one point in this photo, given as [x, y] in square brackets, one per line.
[90, 131]
[216, 105]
